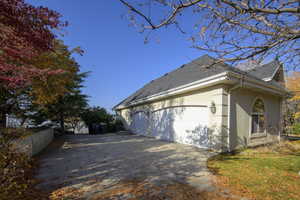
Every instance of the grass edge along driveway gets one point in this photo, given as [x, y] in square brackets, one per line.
[269, 172]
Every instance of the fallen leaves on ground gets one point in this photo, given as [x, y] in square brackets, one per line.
[136, 190]
[66, 193]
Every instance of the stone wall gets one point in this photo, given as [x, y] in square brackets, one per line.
[34, 143]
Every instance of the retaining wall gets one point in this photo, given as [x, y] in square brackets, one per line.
[34, 143]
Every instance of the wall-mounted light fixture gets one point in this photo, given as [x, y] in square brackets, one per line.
[213, 108]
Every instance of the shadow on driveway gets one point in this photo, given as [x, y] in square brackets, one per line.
[93, 163]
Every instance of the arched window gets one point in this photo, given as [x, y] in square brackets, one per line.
[258, 117]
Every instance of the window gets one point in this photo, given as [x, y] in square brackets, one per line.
[258, 117]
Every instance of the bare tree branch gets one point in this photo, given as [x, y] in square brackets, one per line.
[232, 30]
[168, 20]
[261, 10]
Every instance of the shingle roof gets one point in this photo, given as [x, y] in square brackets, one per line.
[200, 68]
[265, 71]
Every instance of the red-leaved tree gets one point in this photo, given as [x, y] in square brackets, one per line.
[25, 32]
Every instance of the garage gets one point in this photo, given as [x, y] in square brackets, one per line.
[139, 123]
[182, 124]
[186, 125]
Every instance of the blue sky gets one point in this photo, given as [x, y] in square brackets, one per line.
[115, 53]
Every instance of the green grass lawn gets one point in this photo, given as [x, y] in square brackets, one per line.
[263, 173]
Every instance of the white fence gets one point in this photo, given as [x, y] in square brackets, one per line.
[13, 122]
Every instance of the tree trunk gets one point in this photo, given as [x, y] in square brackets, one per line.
[2, 120]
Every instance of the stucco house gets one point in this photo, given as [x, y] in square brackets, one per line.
[210, 104]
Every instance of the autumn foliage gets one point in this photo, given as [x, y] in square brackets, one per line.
[35, 69]
[48, 89]
[16, 169]
[293, 84]
[26, 32]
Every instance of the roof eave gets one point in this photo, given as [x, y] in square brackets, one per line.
[203, 83]
[222, 78]
[261, 84]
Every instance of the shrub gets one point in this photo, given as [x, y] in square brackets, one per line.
[119, 125]
[296, 129]
[15, 167]
[116, 126]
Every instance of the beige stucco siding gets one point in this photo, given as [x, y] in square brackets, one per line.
[193, 100]
[228, 129]
[241, 101]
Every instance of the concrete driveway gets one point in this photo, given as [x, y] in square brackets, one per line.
[95, 163]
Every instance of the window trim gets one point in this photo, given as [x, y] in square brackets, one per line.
[259, 134]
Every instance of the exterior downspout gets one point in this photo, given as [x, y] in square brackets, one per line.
[239, 85]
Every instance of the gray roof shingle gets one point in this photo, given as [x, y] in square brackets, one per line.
[265, 71]
[200, 68]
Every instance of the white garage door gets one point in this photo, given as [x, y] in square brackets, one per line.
[140, 123]
[186, 125]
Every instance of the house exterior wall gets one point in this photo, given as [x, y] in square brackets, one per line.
[231, 118]
[241, 102]
[200, 99]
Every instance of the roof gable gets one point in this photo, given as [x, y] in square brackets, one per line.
[266, 71]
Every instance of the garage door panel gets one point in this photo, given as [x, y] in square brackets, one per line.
[162, 124]
[140, 123]
[192, 134]
[187, 125]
